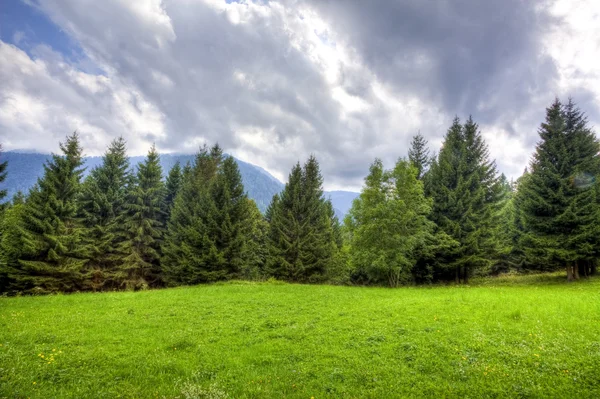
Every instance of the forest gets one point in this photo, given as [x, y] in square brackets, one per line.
[444, 217]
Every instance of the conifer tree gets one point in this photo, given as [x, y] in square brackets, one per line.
[103, 199]
[209, 226]
[286, 216]
[142, 227]
[418, 154]
[464, 186]
[504, 231]
[54, 255]
[173, 185]
[3, 166]
[231, 217]
[12, 244]
[301, 236]
[255, 250]
[560, 205]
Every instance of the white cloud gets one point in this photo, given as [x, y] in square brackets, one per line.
[41, 101]
[276, 81]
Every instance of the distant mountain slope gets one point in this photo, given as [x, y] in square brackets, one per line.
[342, 200]
[25, 168]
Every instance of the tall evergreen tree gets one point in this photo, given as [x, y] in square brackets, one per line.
[12, 245]
[255, 250]
[464, 186]
[231, 217]
[103, 199]
[3, 166]
[189, 254]
[54, 255]
[560, 205]
[301, 236]
[173, 184]
[210, 223]
[418, 154]
[142, 227]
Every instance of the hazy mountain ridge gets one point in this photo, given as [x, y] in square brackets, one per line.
[24, 168]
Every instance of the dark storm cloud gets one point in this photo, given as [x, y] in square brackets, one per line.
[462, 54]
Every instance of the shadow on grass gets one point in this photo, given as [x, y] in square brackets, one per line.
[513, 279]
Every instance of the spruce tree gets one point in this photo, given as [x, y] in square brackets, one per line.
[464, 186]
[207, 232]
[173, 185]
[103, 199]
[54, 255]
[285, 215]
[12, 246]
[504, 231]
[231, 217]
[255, 250]
[418, 154]
[301, 235]
[560, 205]
[142, 227]
[3, 166]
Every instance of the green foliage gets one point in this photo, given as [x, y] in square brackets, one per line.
[388, 224]
[255, 252]
[418, 154]
[173, 184]
[102, 208]
[142, 227]
[211, 222]
[559, 198]
[464, 186]
[302, 240]
[3, 173]
[53, 254]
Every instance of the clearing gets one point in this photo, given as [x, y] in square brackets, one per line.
[509, 337]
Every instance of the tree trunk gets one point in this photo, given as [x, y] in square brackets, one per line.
[569, 272]
[457, 275]
[593, 269]
[466, 275]
[576, 271]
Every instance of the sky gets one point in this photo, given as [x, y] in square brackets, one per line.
[276, 81]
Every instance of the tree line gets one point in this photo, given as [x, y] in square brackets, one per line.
[444, 217]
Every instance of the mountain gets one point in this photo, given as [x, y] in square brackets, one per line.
[24, 168]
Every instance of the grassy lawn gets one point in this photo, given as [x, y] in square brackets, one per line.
[512, 337]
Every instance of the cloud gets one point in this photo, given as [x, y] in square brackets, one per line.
[276, 81]
[44, 99]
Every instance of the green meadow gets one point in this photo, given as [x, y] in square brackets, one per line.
[526, 336]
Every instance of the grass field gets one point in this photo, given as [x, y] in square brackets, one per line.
[510, 337]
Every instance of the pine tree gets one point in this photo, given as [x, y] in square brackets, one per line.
[418, 154]
[173, 184]
[464, 186]
[142, 227]
[301, 236]
[231, 217]
[285, 216]
[103, 198]
[255, 250]
[3, 166]
[201, 223]
[504, 230]
[54, 255]
[12, 245]
[560, 205]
